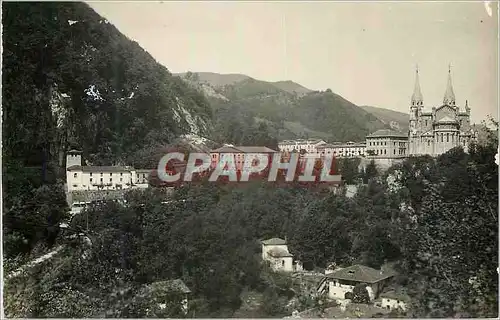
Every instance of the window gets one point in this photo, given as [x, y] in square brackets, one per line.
[283, 263]
[110, 180]
[394, 151]
[75, 185]
[90, 180]
[91, 174]
[428, 143]
[121, 174]
[447, 137]
[121, 179]
[385, 151]
[101, 180]
[426, 123]
[75, 175]
[110, 174]
[101, 175]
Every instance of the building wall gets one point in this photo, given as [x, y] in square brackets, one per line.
[387, 147]
[238, 159]
[97, 180]
[284, 264]
[389, 303]
[73, 160]
[434, 138]
[343, 150]
[310, 146]
[266, 248]
[338, 288]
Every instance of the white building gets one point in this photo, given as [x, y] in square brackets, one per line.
[310, 146]
[343, 150]
[342, 281]
[393, 300]
[275, 251]
[80, 178]
[386, 143]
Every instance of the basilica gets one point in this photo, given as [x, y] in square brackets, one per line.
[440, 129]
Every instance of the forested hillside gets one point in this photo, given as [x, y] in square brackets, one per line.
[288, 109]
[70, 78]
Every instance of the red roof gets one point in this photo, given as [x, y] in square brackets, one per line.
[243, 149]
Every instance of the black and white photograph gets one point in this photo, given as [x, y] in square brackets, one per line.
[250, 159]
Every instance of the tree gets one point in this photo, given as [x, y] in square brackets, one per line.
[370, 171]
[360, 294]
[451, 250]
[273, 304]
[348, 168]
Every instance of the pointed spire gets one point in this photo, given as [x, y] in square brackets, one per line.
[417, 98]
[449, 95]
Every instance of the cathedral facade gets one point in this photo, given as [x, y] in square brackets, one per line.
[434, 132]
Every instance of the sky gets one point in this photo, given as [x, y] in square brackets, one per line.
[366, 52]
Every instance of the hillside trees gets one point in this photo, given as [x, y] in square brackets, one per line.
[455, 239]
[98, 89]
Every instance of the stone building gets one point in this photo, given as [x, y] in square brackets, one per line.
[440, 129]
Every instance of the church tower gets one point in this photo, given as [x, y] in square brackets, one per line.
[449, 95]
[417, 104]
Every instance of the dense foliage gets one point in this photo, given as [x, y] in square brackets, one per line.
[445, 248]
[71, 78]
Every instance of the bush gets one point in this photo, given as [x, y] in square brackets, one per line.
[360, 294]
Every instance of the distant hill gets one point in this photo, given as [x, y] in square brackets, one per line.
[288, 109]
[291, 87]
[389, 116]
[215, 79]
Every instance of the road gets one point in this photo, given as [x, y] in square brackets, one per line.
[34, 262]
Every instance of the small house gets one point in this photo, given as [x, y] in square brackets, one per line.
[339, 282]
[176, 286]
[275, 251]
[393, 300]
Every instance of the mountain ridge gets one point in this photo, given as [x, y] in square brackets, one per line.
[292, 110]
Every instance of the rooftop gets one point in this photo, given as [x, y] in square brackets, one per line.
[386, 133]
[301, 141]
[342, 145]
[101, 168]
[244, 149]
[360, 273]
[274, 241]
